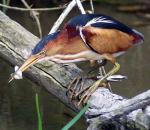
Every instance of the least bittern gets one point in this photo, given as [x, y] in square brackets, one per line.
[86, 37]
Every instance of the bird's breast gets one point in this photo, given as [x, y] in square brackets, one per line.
[73, 45]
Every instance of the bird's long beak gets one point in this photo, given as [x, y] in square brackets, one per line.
[29, 62]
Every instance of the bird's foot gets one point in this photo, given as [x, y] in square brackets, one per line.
[77, 87]
[91, 90]
[78, 92]
[100, 82]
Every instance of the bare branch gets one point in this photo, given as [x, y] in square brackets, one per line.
[35, 16]
[92, 7]
[63, 16]
[32, 9]
[80, 7]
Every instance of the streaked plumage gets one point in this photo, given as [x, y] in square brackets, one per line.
[85, 37]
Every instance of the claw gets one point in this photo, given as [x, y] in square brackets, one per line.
[73, 87]
[85, 93]
[89, 92]
[76, 88]
[93, 88]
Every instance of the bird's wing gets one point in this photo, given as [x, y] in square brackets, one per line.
[85, 37]
[99, 21]
[105, 40]
[101, 33]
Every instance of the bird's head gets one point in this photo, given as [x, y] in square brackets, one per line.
[40, 51]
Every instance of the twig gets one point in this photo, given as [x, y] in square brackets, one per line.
[4, 9]
[33, 9]
[92, 7]
[63, 16]
[35, 16]
[80, 7]
[8, 2]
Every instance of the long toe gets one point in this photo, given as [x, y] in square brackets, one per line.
[75, 87]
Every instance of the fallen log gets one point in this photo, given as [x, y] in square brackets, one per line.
[111, 109]
[16, 44]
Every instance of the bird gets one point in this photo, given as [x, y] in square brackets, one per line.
[86, 37]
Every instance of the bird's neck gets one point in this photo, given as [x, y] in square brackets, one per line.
[68, 42]
[55, 46]
[71, 31]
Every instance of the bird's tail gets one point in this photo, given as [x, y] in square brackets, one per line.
[138, 37]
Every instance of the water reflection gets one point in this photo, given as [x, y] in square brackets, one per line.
[17, 106]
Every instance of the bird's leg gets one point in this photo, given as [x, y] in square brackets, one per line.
[95, 64]
[74, 86]
[102, 72]
[85, 55]
[99, 82]
[100, 64]
[86, 96]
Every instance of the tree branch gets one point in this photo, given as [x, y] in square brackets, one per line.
[78, 2]
[92, 7]
[33, 13]
[63, 16]
[32, 9]
[116, 108]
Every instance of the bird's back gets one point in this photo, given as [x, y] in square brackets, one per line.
[100, 21]
[103, 34]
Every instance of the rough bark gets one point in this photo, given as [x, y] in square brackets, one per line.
[107, 107]
[16, 44]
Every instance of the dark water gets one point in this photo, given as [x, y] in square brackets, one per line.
[17, 103]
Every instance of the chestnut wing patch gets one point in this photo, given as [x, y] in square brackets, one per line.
[106, 40]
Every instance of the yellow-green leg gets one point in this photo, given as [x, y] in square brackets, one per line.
[93, 88]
